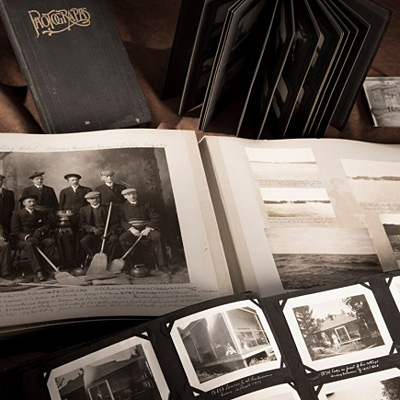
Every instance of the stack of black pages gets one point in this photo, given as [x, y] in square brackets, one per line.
[284, 67]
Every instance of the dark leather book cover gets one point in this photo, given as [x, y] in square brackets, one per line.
[76, 66]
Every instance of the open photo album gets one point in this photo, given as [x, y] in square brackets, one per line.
[140, 223]
[334, 342]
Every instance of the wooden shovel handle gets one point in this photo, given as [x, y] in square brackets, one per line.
[47, 259]
[132, 247]
[106, 228]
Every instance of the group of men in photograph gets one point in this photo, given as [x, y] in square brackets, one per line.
[111, 218]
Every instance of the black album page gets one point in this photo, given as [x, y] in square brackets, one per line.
[238, 52]
[204, 49]
[334, 342]
[298, 63]
[267, 74]
[321, 66]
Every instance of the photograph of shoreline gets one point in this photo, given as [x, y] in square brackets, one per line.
[309, 257]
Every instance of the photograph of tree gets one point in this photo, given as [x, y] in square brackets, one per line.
[338, 327]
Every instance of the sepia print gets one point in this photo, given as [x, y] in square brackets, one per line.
[383, 385]
[310, 257]
[383, 96]
[127, 370]
[338, 326]
[225, 343]
[66, 223]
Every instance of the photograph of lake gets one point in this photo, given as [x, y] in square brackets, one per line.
[307, 203]
[373, 181]
[284, 167]
[309, 257]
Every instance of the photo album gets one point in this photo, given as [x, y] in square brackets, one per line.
[180, 222]
[335, 342]
[75, 65]
[281, 67]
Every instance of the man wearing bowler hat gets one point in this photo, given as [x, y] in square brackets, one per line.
[7, 205]
[109, 190]
[92, 220]
[47, 200]
[73, 197]
[141, 219]
[32, 228]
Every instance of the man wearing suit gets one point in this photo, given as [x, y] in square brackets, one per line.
[92, 220]
[73, 197]
[110, 191]
[7, 205]
[5, 255]
[140, 219]
[47, 200]
[31, 228]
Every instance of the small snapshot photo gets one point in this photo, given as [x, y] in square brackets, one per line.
[225, 343]
[279, 392]
[395, 290]
[383, 385]
[126, 370]
[383, 96]
[337, 327]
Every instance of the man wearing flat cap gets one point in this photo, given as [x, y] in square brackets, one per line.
[31, 228]
[109, 190]
[92, 220]
[7, 205]
[141, 219]
[47, 200]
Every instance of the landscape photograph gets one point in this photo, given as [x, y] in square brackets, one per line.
[284, 167]
[337, 327]
[374, 181]
[309, 257]
[225, 343]
[306, 203]
[383, 385]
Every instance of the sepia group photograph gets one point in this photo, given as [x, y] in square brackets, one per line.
[337, 327]
[127, 370]
[134, 238]
[225, 343]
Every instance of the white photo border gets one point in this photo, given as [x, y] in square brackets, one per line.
[231, 376]
[108, 351]
[356, 381]
[323, 297]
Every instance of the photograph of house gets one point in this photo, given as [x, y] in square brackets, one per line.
[124, 379]
[337, 327]
[223, 343]
[126, 370]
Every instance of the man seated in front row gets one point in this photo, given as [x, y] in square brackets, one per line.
[140, 219]
[92, 220]
[32, 228]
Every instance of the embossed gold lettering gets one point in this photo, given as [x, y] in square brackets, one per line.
[57, 21]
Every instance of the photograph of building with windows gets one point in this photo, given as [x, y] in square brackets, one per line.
[228, 341]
